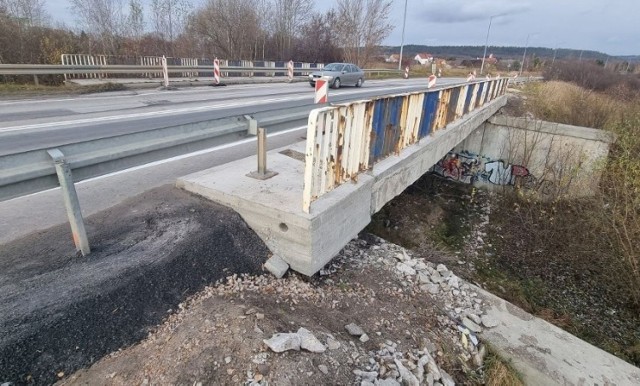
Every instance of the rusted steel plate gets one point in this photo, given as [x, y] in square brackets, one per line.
[462, 98]
[469, 99]
[443, 109]
[453, 105]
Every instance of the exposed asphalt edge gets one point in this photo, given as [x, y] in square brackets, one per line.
[150, 253]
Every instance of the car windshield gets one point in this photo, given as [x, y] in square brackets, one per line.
[333, 67]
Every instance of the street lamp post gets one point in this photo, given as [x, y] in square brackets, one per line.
[404, 22]
[525, 54]
[486, 43]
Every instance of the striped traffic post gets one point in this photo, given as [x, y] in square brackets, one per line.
[216, 71]
[165, 71]
[432, 81]
[471, 77]
[406, 72]
[290, 70]
[322, 89]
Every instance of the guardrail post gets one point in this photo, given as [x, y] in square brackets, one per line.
[263, 173]
[71, 201]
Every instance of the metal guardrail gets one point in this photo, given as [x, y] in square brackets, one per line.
[347, 139]
[33, 171]
[102, 70]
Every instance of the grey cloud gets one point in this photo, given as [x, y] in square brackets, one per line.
[456, 11]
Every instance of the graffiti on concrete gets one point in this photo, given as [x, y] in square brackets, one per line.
[470, 168]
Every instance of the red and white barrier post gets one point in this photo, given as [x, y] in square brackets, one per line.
[406, 72]
[216, 71]
[165, 71]
[432, 81]
[290, 70]
[322, 89]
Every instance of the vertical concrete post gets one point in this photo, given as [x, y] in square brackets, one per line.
[71, 201]
[262, 173]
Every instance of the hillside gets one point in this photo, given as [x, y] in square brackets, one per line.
[462, 52]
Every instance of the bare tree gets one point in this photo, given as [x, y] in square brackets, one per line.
[170, 17]
[31, 13]
[317, 40]
[134, 28]
[102, 18]
[289, 16]
[361, 27]
[228, 28]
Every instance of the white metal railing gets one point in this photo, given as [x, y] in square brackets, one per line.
[347, 139]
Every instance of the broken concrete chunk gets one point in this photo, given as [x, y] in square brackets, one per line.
[283, 341]
[277, 266]
[471, 325]
[408, 379]
[309, 342]
[354, 329]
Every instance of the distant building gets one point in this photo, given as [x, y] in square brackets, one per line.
[393, 58]
[424, 58]
[490, 60]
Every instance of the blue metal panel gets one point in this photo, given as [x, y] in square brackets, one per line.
[386, 127]
[429, 111]
[467, 102]
[479, 93]
[453, 104]
[377, 141]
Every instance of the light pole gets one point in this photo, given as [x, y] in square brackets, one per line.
[404, 22]
[486, 43]
[525, 54]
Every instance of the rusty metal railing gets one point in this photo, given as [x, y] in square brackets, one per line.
[346, 139]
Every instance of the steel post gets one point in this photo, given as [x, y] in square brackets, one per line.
[262, 173]
[71, 201]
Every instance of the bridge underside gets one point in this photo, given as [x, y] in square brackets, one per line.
[307, 242]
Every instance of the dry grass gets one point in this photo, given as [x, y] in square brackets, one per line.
[567, 103]
[499, 372]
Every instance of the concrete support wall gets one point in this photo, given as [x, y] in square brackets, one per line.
[547, 159]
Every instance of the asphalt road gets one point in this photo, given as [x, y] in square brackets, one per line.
[49, 122]
[45, 121]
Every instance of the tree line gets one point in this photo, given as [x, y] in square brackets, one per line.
[230, 29]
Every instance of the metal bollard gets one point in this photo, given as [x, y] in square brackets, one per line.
[262, 173]
[71, 201]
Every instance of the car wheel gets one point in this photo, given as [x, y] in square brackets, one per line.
[312, 84]
[336, 83]
[359, 82]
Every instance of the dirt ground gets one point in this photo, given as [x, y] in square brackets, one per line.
[512, 248]
[217, 336]
[175, 293]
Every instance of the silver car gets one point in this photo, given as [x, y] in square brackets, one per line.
[339, 74]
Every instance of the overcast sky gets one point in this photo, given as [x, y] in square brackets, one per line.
[610, 26]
